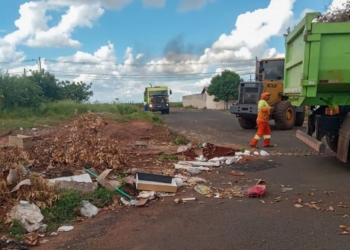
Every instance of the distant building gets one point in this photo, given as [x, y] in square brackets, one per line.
[204, 100]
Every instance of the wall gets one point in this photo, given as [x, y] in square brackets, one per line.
[214, 105]
[204, 101]
[197, 100]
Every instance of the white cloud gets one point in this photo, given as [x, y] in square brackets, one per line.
[186, 5]
[154, 3]
[125, 78]
[337, 4]
[108, 4]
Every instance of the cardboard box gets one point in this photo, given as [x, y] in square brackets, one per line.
[155, 186]
[21, 141]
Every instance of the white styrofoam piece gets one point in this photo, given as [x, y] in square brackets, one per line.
[77, 178]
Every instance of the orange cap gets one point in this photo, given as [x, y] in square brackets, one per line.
[263, 95]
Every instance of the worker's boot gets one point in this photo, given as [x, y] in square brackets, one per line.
[267, 143]
[253, 143]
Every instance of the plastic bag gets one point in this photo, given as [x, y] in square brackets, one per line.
[256, 191]
[88, 210]
[29, 215]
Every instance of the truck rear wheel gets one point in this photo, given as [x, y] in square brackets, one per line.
[300, 118]
[246, 123]
[332, 143]
[284, 115]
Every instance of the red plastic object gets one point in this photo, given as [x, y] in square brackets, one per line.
[256, 191]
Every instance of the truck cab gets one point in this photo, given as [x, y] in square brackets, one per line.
[157, 99]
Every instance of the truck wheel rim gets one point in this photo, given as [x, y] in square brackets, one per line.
[289, 115]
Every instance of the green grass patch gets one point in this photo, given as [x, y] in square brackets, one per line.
[55, 113]
[179, 140]
[16, 230]
[176, 104]
[67, 207]
[167, 157]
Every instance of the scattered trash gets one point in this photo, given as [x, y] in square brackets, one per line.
[31, 239]
[179, 182]
[202, 189]
[82, 183]
[179, 200]
[258, 190]
[264, 153]
[330, 208]
[88, 210]
[180, 166]
[150, 195]
[278, 199]
[286, 189]
[193, 170]
[201, 158]
[182, 149]
[29, 215]
[12, 176]
[164, 183]
[65, 228]
[298, 205]
[246, 153]
[234, 173]
[262, 201]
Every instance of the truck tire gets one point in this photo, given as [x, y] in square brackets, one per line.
[284, 115]
[246, 123]
[300, 118]
[332, 144]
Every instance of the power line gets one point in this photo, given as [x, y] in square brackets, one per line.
[91, 75]
[149, 64]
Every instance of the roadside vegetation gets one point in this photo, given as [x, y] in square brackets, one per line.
[42, 100]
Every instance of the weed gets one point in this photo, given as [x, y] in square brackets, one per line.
[66, 208]
[242, 149]
[101, 197]
[16, 230]
[166, 157]
[179, 140]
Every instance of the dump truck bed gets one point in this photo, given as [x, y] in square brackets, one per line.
[317, 62]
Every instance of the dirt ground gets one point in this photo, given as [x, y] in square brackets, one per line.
[139, 141]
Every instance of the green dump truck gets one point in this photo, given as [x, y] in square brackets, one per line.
[157, 99]
[317, 74]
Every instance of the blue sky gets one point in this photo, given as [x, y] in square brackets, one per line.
[152, 31]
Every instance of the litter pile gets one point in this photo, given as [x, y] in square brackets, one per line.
[336, 14]
[82, 146]
[84, 157]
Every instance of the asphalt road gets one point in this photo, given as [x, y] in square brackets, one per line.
[239, 223]
[223, 127]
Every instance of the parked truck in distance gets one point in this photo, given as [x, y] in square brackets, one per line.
[269, 77]
[317, 74]
[157, 99]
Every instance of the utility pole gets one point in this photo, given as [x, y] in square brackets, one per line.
[39, 63]
[24, 72]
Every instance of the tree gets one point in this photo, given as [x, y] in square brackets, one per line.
[76, 91]
[17, 91]
[225, 86]
[49, 85]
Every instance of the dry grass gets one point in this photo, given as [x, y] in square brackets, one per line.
[336, 14]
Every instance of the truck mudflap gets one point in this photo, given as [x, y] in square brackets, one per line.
[312, 142]
[344, 138]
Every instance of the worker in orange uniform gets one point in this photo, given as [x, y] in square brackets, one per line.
[264, 111]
